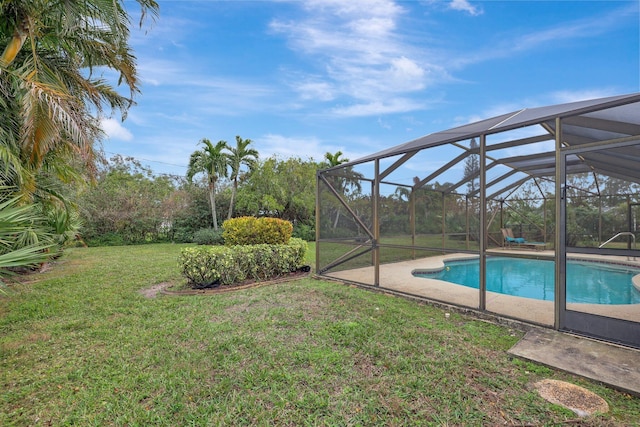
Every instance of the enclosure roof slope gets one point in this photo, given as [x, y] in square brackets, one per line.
[612, 116]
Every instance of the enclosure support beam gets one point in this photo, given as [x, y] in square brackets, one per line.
[497, 180]
[397, 164]
[444, 168]
[599, 220]
[375, 194]
[518, 142]
[466, 209]
[352, 254]
[346, 206]
[524, 217]
[317, 221]
[444, 215]
[502, 218]
[509, 187]
[629, 222]
[560, 303]
[544, 219]
[483, 223]
[412, 221]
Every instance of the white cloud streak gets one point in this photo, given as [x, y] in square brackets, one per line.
[360, 56]
[465, 6]
[513, 44]
[292, 146]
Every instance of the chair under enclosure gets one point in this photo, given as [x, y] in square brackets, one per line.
[510, 241]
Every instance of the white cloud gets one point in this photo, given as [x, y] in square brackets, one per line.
[383, 124]
[114, 130]
[373, 26]
[406, 74]
[315, 90]
[581, 28]
[360, 55]
[312, 147]
[566, 96]
[296, 146]
[512, 44]
[354, 7]
[465, 6]
[396, 105]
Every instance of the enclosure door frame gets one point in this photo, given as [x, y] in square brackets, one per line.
[611, 329]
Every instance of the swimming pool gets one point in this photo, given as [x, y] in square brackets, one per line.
[587, 282]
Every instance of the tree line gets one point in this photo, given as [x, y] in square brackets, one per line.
[130, 205]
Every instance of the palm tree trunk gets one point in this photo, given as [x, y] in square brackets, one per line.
[212, 200]
[335, 223]
[233, 197]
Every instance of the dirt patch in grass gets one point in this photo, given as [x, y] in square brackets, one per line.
[154, 290]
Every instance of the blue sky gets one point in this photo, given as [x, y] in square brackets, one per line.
[301, 78]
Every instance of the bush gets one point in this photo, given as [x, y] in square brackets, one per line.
[248, 230]
[227, 265]
[304, 232]
[106, 239]
[208, 236]
[182, 235]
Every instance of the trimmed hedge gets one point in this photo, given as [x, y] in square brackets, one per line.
[249, 230]
[206, 266]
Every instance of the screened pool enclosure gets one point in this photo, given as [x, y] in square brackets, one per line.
[563, 181]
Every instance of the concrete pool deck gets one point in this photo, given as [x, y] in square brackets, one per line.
[398, 277]
[610, 364]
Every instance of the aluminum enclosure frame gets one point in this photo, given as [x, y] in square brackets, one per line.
[595, 136]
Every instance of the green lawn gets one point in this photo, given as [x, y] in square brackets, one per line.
[81, 345]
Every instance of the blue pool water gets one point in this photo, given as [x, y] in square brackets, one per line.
[587, 282]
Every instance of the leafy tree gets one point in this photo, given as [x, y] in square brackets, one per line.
[212, 161]
[280, 188]
[239, 156]
[127, 205]
[193, 211]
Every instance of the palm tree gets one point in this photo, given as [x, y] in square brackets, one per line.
[334, 159]
[238, 157]
[212, 161]
[24, 241]
[348, 181]
[49, 96]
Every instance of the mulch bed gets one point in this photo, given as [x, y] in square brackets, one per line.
[163, 288]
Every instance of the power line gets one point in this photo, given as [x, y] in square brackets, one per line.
[165, 174]
[147, 160]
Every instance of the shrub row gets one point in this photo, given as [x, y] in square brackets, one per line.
[249, 230]
[206, 266]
